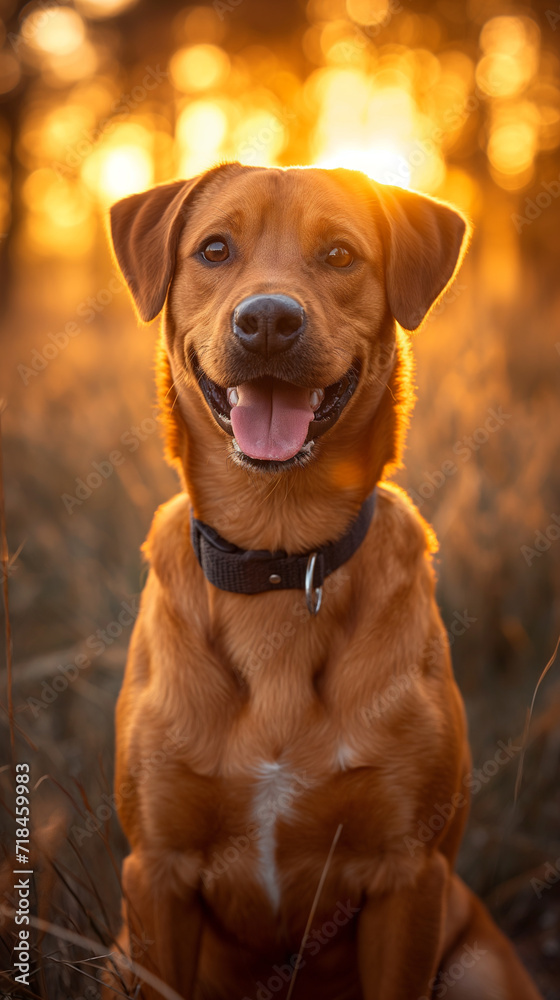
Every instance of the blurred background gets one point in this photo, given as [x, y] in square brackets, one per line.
[102, 98]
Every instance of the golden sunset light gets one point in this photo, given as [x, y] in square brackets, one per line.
[280, 499]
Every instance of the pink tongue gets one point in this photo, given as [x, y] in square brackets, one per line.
[271, 419]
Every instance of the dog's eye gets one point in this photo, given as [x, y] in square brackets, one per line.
[339, 257]
[216, 250]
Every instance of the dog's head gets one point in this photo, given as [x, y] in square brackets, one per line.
[281, 289]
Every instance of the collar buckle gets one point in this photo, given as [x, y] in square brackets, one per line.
[313, 596]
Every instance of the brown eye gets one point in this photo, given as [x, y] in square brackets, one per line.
[216, 250]
[339, 257]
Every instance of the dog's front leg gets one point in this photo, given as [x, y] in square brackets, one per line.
[399, 936]
[164, 924]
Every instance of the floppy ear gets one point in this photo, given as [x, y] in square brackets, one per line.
[145, 230]
[424, 241]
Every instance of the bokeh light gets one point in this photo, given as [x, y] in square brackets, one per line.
[120, 165]
[510, 45]
[511, 148]
[385, 93]
[201, 130]
[104, 8]
[258, 138]
[57, 31]
[199, 67]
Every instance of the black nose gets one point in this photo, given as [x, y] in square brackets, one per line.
[268, 324]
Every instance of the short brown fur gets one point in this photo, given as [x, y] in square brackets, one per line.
[229, 692]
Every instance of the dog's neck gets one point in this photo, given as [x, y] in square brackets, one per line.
[302, 508]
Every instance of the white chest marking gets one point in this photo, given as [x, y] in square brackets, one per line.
[344, 756]
[275, 794]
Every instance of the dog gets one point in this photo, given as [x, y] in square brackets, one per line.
[292, 760]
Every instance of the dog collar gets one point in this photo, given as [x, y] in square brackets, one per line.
[254, 571]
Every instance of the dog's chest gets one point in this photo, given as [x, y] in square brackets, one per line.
[275, 796]
[282, 801]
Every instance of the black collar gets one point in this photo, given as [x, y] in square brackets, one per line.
[252, 571]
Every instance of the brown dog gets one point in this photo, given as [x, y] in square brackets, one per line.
[286, 778]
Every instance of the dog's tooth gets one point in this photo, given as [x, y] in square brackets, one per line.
[232, 396]
[316, 398]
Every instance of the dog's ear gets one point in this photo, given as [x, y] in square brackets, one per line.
[424, 241]
[145, 230]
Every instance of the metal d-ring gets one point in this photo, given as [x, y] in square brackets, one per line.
[313, 599]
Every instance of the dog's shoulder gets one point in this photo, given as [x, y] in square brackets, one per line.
[404, 529]
[168, 547]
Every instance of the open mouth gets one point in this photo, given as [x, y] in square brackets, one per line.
[274, 423]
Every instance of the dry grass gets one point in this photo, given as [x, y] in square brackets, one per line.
[490, 347]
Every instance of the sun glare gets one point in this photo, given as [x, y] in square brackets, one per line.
[104, 8]
[382, 164]
[383, 98]
[119, 170]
